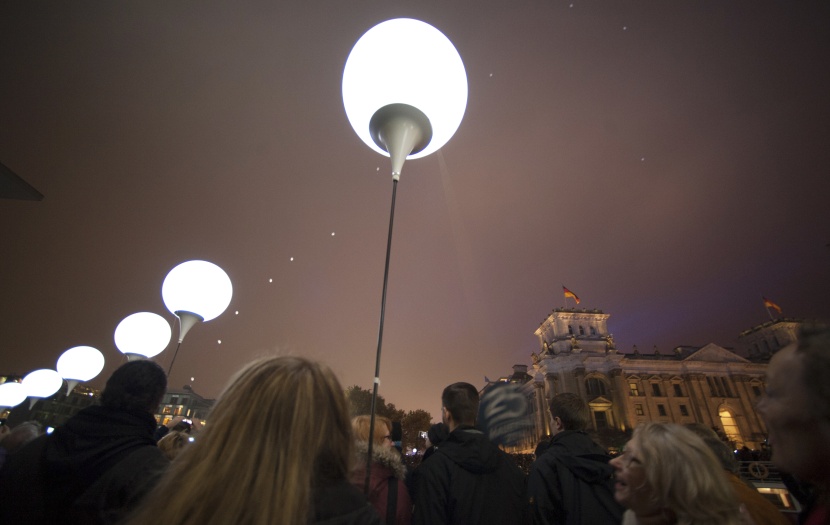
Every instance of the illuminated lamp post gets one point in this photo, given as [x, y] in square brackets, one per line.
[195, 291]
[40, 384]
[405, 93]
[12, 394]
[142, 335]
[78, 364]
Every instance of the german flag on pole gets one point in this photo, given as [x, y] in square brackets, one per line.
[770, 304]
[570, 294]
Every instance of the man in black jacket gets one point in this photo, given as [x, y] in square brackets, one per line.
[571, 482]
[98, 465]
[468, 480]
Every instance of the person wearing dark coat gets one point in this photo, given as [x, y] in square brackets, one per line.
[571, 482]
[468, 480]
[98, 465]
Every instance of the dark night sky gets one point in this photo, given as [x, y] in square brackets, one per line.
[666, 161]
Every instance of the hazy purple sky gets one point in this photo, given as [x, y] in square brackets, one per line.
[666, 161]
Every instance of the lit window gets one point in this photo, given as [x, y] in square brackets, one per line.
[730, 428]
[638, 409]
[633, 389]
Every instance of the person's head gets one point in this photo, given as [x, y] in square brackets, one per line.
[173, 443]
[136, 385]
[436, 434]
[568, 412]
[720, 449]
[279, 428]
[20, 435]
[796, 407]
[459, 405]
[666, 470]
[382, 430]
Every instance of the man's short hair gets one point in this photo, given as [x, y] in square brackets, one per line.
[461, 401]
[137, 385]
[572, 410]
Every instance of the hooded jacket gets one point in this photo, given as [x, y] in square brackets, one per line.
[571, 483]
[468, 481]
[91, 470]
[386, 467]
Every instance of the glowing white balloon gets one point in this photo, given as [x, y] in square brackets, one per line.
[12, 394]
[405, 61]
[197, 287]
[80, 363]
[41, 383]
[143, 334]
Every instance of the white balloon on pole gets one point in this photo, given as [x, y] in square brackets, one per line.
[143, 334]
[41, 383]
[12, 394]
[80, 363]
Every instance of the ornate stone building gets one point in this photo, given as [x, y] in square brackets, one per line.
[712, 385]
[183, 402]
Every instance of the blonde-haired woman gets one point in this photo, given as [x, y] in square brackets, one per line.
[277, 451]
[667, 475]
[387, 488]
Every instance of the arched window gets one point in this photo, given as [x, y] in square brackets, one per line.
[730, 427]
[581, 330]
[595, 386]
[570, 330]
[593, 331]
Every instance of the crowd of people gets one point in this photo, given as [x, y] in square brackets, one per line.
[281, 449]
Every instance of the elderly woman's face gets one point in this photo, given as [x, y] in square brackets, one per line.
[630, 488]
[796, 435]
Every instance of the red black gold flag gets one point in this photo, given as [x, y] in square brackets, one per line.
[570, 294]
[770, 304]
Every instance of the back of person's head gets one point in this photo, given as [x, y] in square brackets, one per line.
[572, 410]
[437, 433]
[173, 443]
[720, 449]
[360, 428]
[136, 385]
[683, 475]
[814, 350]
[461, 401]
[20, 435]
[280, 428]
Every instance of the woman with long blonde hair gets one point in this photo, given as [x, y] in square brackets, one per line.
[667, 475]
[277, 450]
